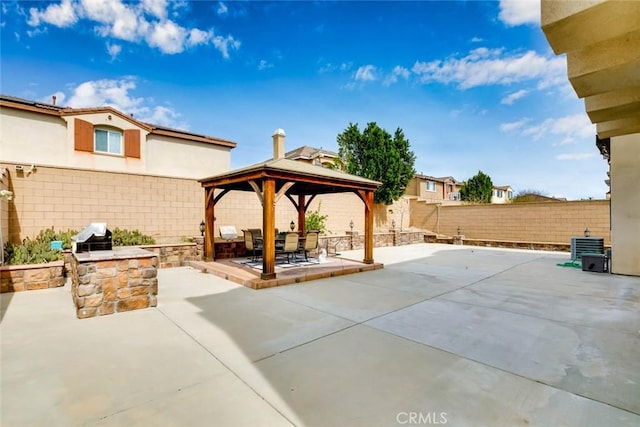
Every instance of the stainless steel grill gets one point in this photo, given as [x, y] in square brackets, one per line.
[94, 237]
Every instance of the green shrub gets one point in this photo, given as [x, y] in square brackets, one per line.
[38, 250]
[315, 221]
[130, 238]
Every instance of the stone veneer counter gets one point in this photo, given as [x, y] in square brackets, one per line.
[107, 282]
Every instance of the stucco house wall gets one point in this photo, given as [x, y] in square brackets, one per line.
[170, 156]
[445, 189]
[58, 179]
[625, 204]
[29, 137]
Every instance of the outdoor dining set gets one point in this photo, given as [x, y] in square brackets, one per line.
[288, 244]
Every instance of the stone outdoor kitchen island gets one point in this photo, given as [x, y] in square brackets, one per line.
[107, 282]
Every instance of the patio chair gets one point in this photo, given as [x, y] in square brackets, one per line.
[251, 244]
[256, 232]
[290, 246]
[310, 244]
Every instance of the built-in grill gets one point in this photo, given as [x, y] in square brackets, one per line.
[95, 237]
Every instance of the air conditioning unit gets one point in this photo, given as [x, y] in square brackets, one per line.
[586, 245]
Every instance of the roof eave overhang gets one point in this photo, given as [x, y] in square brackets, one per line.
[239, 181]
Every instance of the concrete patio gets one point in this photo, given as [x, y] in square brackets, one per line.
[462, 336]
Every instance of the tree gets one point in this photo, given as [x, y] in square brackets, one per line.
[477, 189]
[374, 154]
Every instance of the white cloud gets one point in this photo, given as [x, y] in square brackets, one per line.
[157, 8]
[329, 67]
[136, 22]
[117, 19]
[484, 66]
[518, 12]
[223, 44]
[559, 131]
[397, 72]
[60, 97]
[366, 73]
[264, 64]
[104, 92]
[222, 9]
[196, 37]
[60, 15]
[575, 156]
[476, 40]
[168, 37]
[117, 94]
[576, 125]
[163, 116]
[512, 126]
[113, 50]
[512, 97]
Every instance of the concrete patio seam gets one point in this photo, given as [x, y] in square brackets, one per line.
[305, 343]
[438, 295]
[564, 322]
[143, 403]
[500, 369]
[228, 368]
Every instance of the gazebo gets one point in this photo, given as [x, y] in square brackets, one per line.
[297, 181]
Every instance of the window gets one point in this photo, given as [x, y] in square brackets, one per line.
[431, 186]
[499, 194]
[509, 194]
[102, 139]
[108, 141]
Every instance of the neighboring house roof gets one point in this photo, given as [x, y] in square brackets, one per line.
[8, 101]
[309, 153]
[503, 187]
[438, 179]
[532, 197]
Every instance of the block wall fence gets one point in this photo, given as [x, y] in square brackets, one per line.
[166, 208]
[170, 209]
[547, 222]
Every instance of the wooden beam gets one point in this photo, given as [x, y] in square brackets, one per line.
[306, 206]
[219, 196]
[292, 200]
[268, 230]
[285, 187]
[258, 191]
[209, 219]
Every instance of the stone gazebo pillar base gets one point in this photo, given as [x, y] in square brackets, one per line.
[107, 282]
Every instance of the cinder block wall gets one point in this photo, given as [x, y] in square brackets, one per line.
[71, 199]
[165, 208]
[553, 222]
[171, 208]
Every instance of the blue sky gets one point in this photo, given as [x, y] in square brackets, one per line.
[474, 85]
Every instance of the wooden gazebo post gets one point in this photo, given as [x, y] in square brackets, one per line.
[368, 227]
[268, 229]
[209, 219]
[301, 216]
